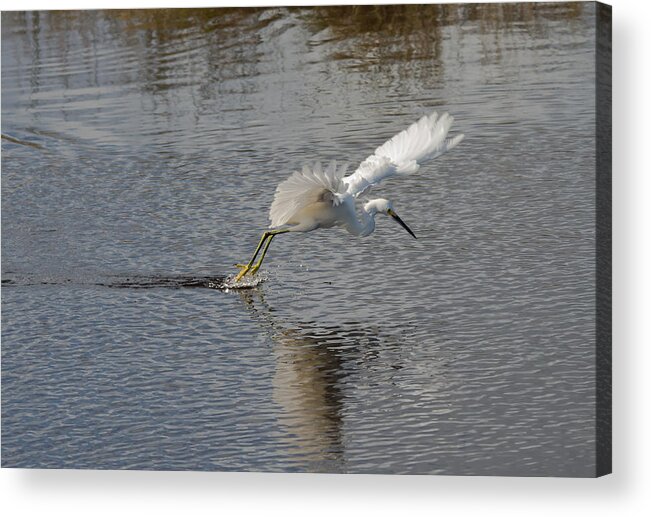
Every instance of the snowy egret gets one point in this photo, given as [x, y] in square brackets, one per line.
[322, 198]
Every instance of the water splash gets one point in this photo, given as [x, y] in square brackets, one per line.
[247, 282]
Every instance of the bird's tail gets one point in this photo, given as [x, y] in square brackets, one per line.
[422, 141]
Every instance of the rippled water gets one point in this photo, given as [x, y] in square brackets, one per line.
[140, 154]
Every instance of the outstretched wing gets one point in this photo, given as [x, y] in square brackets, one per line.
[404, 153]
[304, 187]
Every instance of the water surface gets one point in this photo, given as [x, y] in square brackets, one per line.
[140, 153]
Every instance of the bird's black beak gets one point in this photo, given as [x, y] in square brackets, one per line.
[400, 222]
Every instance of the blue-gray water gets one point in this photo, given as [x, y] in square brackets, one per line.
[142, 148]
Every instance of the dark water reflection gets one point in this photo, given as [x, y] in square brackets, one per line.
[141, 150]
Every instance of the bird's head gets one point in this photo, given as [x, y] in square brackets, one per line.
[384, 206]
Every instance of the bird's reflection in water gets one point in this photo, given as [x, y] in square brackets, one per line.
[312, 366]
[306, 387]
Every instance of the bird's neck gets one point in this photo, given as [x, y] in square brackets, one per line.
[365, 225]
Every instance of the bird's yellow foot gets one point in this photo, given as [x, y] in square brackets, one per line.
[244, 269]
[255, 268]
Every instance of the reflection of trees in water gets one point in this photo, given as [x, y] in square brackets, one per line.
[381, 38]
[403, 20]
[227, 43]
[402, 34]
[197, 76]
[511, 25]
[312, 366]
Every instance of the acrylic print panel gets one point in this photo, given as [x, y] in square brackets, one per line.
[141, 151]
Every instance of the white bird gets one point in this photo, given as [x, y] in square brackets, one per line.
[323, 198]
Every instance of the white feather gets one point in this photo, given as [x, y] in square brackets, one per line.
[305, 187]
[404, 153]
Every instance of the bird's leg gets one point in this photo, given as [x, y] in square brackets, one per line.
[255, 268]
[245, 268]
[272, 234]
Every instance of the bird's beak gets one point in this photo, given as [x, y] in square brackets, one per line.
[400, 222]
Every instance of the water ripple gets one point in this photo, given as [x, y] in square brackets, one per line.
[140, 153]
